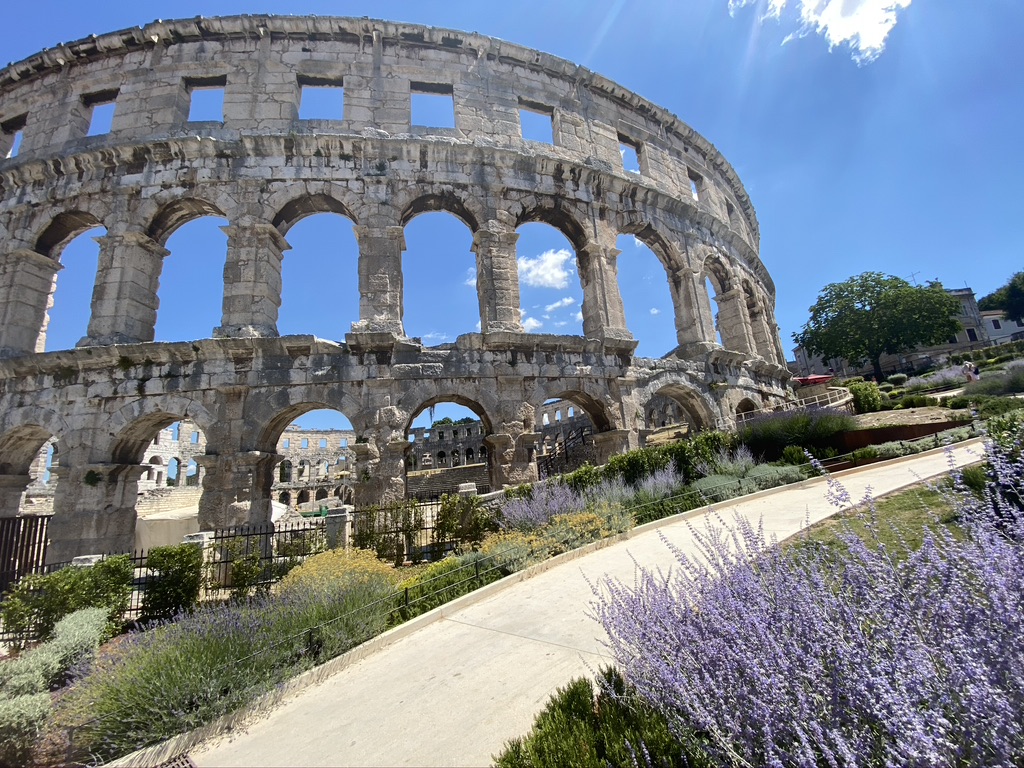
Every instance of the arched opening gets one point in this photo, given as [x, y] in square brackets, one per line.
[568, 442]
[744, 407]
[709, 286]
[284, 498]
[644, 284]
[439, 279]
[31, 452]
[319, 276]
[679, 407]
[443, 434]
[164, 444]
[550, 292]
[191, 289]
[315, 443]
[71, 239]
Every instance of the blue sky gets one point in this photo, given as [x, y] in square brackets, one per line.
[871, 135]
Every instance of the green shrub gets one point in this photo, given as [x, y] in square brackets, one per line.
[463, 519]
[614, 516]
[385, 530]
[177, 587]
[567, 532]
[975, 478]
[715, 488]
[897, 379]
[582, 478]
[510, 551]
[634, 466]
[184, 674]
[22, 720]
[687, 455]
[866, 397]
[32, 608]
[918, 401]
[765, 476]
[794, 454]
[338, 565]
[885, 386]
[768, 436]
[46, 666]
[581, 727]
[1006, 382]
[865, 454]
[444, 581]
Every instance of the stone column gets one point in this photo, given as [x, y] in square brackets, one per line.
[511, 461]
[380, 280]
[610, 443]
[94, 510]
[124, 300]
[760, 334]
[252, 280]
[11, 489]
[733, 323]
[26, 288]
[603, 314]
[497, 280]
[380, 472]
[695, 322]
[236, 489]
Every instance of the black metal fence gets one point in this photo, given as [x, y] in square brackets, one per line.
[22, 546]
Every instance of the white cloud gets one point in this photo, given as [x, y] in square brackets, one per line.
[862, 24]
[470, 277]
[435, 336]
[531, 324]
[637, 242]
[568, 301]
[579, 317]
[655, 311]
[547, 270]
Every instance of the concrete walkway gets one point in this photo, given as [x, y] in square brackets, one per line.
[454, 691]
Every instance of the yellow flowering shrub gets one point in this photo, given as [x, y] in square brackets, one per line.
[338, 564]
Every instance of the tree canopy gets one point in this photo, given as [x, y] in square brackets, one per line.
[1009, 298]
[873, 314]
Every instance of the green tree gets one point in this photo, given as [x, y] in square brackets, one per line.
[872, 314]
[1009, 298]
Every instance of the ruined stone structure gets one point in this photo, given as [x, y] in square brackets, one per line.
[263, 169]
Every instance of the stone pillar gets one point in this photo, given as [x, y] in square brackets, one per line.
[733, 322]
[511, 461]
[11, 489]
[380, 280]
[497, 280]
[252, 280]
[26, 288]
[124, 300]
[94, 510]
[380, 472]
[236, 489]
[604, 317]
[610, 443]
[695, 322]
[760, 334]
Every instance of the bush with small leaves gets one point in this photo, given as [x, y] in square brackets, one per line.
[897, 379]
[176, 588]
[714, 488]
[22, 721]
[31, 609]
[866, 397]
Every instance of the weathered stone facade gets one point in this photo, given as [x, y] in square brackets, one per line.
[263, 169]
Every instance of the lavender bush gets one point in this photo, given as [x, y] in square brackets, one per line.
[807, 656]
[545, 502]
[945, 377]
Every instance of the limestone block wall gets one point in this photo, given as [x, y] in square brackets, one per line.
[257, 164]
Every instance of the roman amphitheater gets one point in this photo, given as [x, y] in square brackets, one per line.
[260, 167]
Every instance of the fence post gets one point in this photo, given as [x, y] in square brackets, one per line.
[339, 530]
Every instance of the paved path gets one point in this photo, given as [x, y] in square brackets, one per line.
[454, 691]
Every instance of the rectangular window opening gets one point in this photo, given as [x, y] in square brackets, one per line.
[696, 183]
[206, 99]
[287, 443]
[952, 339]
[996, 325]
[536, 122]
[305, 442]
[972, 335]
[321, 99]
[11, 134]
[195, 438]
[432, 105]
[101, 107]
[630, 152]
[323, 442]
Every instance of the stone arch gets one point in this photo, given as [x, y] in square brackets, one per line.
[172, 215]
[24, 432]
[133, 426]
[700, 411]
[718, 271]
[267, 436]
[321, 494]
[284, 498]
[745, 406]
[294, 210]
[600, 414]
[446, 200]
[424, 401]
[554, 213]
[63, 228]
[285, 471]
